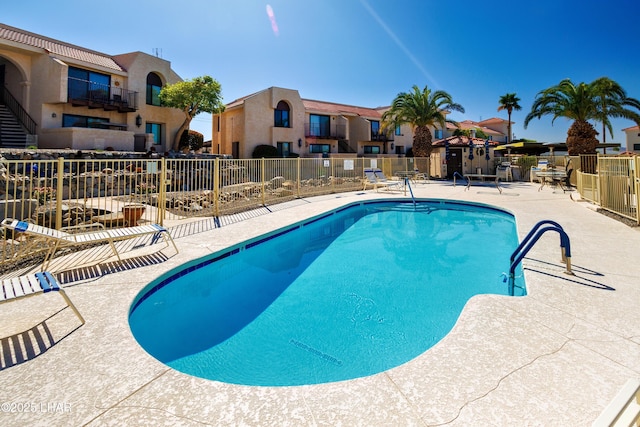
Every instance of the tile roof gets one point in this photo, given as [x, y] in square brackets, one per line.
[315, 106]
[57, 47]
[468, 124]
[493, 120]
[347, 110]
[631, 128]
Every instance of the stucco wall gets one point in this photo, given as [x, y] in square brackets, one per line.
[632, 138]
[88, 139]
[252, 123]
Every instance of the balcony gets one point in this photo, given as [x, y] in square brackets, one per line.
[381, 137]
[325, 131]
[83, 93]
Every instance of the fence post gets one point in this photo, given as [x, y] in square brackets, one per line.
[162, 194]
[299, 165]
[216, 187]
[59, 188]
[333, 174]
[264, 200]
[636, 179]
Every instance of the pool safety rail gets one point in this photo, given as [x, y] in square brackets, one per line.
[458, 175]
[408, 184]
[531, 238]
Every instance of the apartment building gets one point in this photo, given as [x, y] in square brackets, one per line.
[58, 95]
[310, 128]
[304, 127]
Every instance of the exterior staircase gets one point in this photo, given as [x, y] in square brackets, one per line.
[344, 147]
[12, 134]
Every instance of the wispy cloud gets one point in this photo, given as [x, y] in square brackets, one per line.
[399, 43]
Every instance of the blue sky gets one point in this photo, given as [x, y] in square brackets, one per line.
[364, 52]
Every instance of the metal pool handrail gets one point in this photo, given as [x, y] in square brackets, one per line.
[528, 243]
[462, 177]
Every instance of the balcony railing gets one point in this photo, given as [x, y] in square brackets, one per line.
[97, 95]
[323, 131]
[381, 137]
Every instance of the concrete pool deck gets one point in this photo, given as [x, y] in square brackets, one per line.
[555, 357]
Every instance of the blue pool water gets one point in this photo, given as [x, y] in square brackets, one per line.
[351, 294]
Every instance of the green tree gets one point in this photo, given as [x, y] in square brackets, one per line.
[509, 102]
[194, 96]
[611, 98]
[421, 109]
[467, 132]
[582, 102]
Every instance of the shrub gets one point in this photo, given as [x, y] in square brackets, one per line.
[264, 150]
[192, 139]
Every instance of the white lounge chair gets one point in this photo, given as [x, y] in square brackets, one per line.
[33, 284]
[381, 177]
[372, 179]
[57, 239]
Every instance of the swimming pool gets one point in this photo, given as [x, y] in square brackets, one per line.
[348, 294]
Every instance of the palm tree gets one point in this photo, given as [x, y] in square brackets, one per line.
[509, 102]
[421, 109]
[581, 103]
[609, 94]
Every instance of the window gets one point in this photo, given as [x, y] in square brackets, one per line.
[437, 134]
[88, 85]
[371, 149]
[284, 149]
[281, 115]
[375, 130]
[156, 130]
[319, 148]
[398, 131]
[319, 126]
[636, 147]
[154, 85]
[73, 121]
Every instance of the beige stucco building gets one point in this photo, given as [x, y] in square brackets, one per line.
[633, 139]
[309, 128]
[58, 95]
[281, 118]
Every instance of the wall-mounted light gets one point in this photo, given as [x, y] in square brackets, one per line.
[138, 120]
[299, 142]
[392, 146]
[54, 115]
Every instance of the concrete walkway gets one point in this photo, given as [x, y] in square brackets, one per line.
[556, 357]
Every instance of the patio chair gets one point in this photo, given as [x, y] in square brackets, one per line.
[372, 179]
[58, 239]
[565, 183]
[380, 176]
[34, 284]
